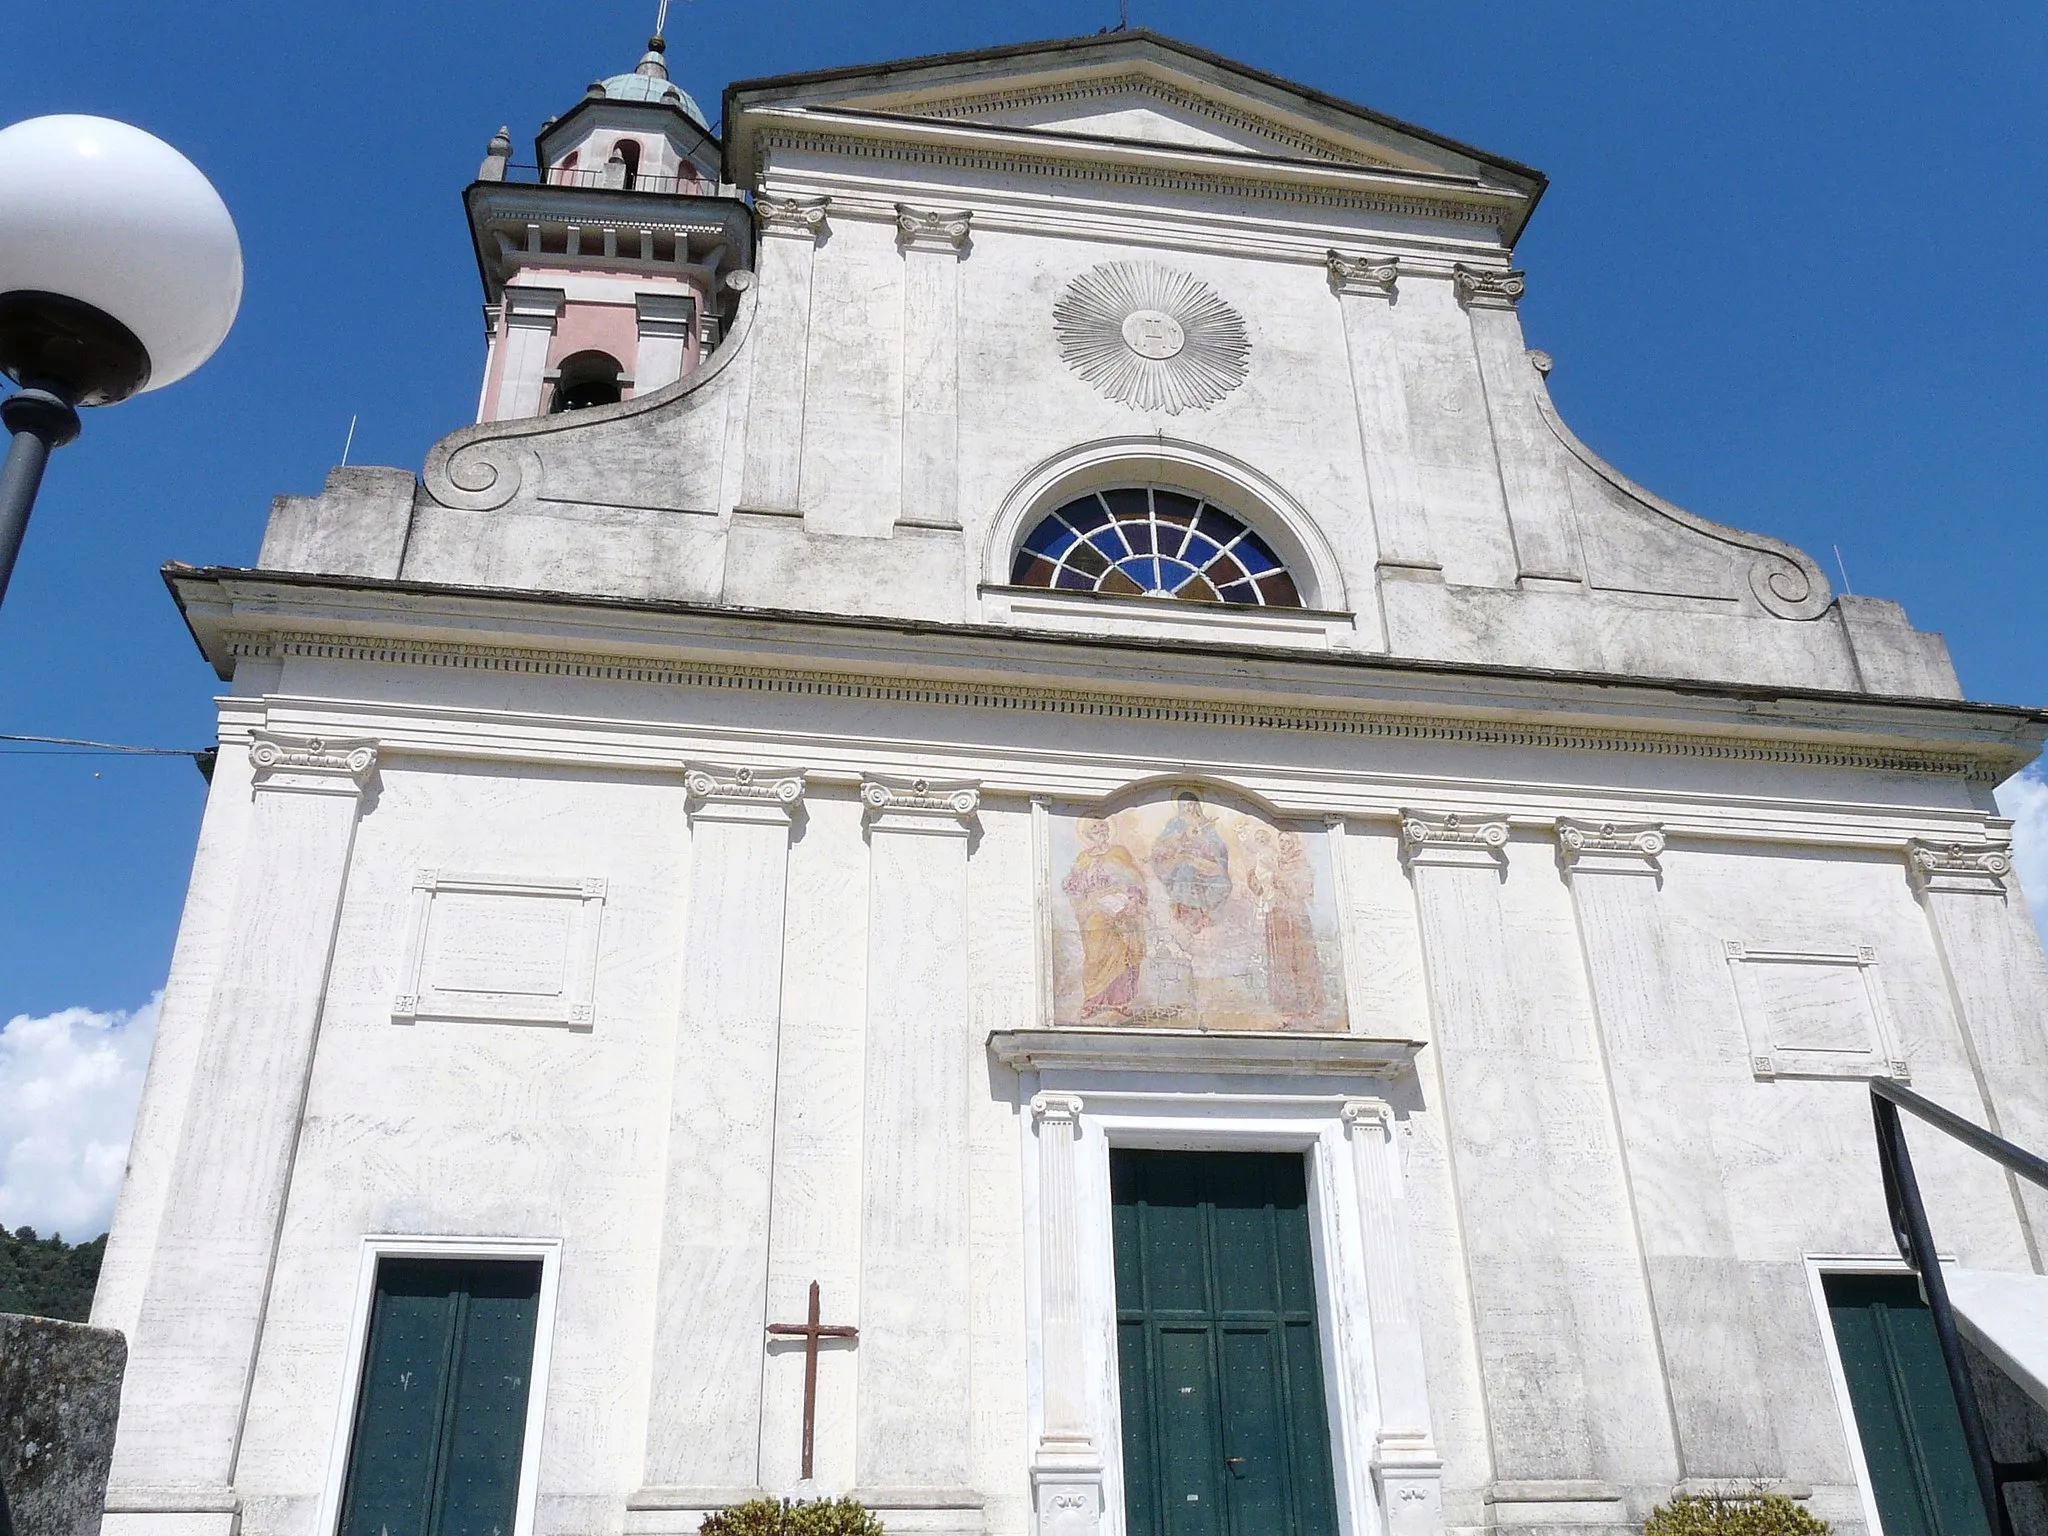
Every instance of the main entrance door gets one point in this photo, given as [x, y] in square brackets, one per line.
[1220, 1366]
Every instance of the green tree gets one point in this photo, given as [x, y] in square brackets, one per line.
[47, 1276]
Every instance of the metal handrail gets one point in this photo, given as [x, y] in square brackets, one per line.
[596, 177]
[1916, 1246]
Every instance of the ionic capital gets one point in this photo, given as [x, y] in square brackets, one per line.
[1373, 276]
[1367, 1114]
[1453, 837]
[913, 803]
[1977, 867]
[1488, 287]
[800, 216]
[1609, 847]
[1056, 1108]
[928, 229]
[721, 793]
[320, 765]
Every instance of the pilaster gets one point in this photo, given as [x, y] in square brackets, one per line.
[914, 1446]
[1066, 1472]
[666, 322]
[1700, 1289]
[1996, 976]
[1532, 476]
[704, 1422]
[530, 318]
[1365, 287]
[201, 1320]
[1407, 1472]
[791, 229]
[1566, 1347]
[933, 243]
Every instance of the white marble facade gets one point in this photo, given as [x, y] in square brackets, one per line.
[632, 845]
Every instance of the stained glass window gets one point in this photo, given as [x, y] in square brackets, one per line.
[1147, 541]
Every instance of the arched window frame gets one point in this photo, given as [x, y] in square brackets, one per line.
[1252, 497]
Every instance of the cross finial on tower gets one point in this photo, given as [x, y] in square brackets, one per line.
[661, 20]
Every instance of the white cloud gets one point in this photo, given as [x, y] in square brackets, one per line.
[2025, 800]
[69, 1083]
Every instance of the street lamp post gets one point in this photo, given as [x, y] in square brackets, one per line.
[120, 272]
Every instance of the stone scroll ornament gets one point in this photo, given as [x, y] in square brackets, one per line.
[1151, 337]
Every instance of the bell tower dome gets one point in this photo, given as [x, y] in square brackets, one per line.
[604, 260]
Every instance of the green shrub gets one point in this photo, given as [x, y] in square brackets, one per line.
[784, 1517]
[1763, 1514]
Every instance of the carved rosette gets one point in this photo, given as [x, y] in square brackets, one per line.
[1453, 837]
[1975, 868]
[1372, 276]
[1609, 847]
[913, 803]
[1488, 287]
[311, 764]
[928, 229]
[1151, 337]
[740, 793]
[799, 216]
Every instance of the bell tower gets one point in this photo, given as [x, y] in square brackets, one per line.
[604, 260]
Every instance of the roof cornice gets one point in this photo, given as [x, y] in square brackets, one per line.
[235, 614]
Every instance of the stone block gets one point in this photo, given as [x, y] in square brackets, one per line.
[60, 1397]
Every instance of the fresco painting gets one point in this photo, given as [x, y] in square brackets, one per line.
[1189, 909]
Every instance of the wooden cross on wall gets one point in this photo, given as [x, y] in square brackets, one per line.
[811, 1332]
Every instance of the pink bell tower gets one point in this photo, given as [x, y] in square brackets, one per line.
[604, 261]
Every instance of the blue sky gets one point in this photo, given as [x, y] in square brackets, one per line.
[1789, 268]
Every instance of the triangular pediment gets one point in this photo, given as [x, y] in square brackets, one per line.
[1135, 88]
[1134, 106]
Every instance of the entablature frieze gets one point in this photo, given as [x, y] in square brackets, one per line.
[781, 136]
[1372, 803]
[1436, 719]
[1433, 254]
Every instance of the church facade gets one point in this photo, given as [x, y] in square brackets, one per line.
[1020, 738]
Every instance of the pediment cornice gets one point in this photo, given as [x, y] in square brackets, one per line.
[779, 133]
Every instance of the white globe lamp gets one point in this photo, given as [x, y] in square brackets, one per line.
[120, 271]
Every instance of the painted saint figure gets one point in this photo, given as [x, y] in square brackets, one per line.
[1191, 860]
[1113, 912]
[1294, 964]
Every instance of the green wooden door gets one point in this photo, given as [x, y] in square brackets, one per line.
[1218, 1359]
[1906, 1417]
[441, 1418]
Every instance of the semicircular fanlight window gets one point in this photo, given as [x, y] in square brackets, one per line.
[1147, 541]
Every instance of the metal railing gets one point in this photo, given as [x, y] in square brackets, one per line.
[599, 177]
[1916, 1247]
